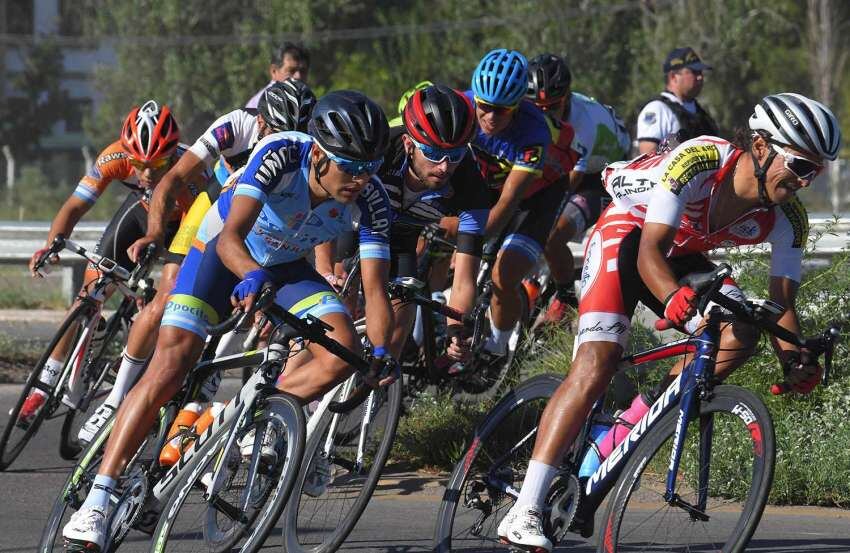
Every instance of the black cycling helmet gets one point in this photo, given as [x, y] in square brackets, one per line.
[286, 105]
[549, 78]
[348, 124]
[439, 116]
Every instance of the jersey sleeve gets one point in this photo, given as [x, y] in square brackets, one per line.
[111, 164]
[270, 167]
[656, 121]
[530, 154]
[230, 134]
[376, 217]
[788, 240]
[472, 197]
[682, 176]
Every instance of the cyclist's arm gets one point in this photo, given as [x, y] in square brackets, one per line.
[69, 215]
[575, 180]
[231, 248]
[513, 190]
[379, 313]
[784, 292]
[655, 241]
[463, 283]
[189, 167]
[325, 254]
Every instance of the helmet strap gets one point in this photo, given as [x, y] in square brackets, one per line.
[411, 168]
[321, 167]
[760, 172]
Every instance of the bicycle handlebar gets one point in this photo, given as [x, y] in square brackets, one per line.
[406, 290]
[311, 329]
[707, 286]
[102, 263]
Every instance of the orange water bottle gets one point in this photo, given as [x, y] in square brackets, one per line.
[532, 290]
[204, 422]
[174, 446]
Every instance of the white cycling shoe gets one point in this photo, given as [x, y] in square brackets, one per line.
[85, 531]
[522, 528]
[94, 423]
[318, 477]
[267, 451]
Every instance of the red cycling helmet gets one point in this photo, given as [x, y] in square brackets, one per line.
[150, 132]
[440, 116]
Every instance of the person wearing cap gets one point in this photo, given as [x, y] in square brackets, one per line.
[676, 108]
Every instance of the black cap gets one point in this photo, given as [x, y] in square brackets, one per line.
[684, 57]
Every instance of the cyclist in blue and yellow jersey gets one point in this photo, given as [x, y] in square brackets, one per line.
[295, 192]
[600, 139]
[284, 106]
[511, 146]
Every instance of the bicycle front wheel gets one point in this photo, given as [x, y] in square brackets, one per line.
[476, 497]
[344, 460]
[26, 417]
[253, 487]
[721, 488]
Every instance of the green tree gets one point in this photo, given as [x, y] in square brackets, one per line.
[24, 121]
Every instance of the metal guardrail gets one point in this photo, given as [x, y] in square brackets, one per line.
[18, 241]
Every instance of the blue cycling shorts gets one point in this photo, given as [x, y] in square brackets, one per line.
[201, 295]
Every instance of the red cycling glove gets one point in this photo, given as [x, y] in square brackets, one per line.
[680, 305]
[801, 375]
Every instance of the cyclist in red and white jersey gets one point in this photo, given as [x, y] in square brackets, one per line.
[668, 209]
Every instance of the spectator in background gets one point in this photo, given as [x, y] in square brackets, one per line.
[676, 108]
[287, 60]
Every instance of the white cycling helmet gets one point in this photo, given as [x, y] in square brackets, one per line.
[802, 123]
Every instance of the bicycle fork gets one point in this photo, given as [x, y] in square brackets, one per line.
[696, 374]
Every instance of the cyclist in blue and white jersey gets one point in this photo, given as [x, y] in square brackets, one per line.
[296, 191]
[511, 147]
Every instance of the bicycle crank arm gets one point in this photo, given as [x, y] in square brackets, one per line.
[228, 510]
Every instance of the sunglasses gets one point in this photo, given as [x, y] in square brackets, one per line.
[154, 165]
[802, 168]
[355, 167]
[487, 107]
[438, 155]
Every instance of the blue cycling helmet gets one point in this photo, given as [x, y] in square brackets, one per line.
[501, 77]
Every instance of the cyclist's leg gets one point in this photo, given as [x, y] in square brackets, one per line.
[305, 292]
[520, 252]
[604, 321]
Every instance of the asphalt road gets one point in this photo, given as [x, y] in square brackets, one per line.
[400, 517]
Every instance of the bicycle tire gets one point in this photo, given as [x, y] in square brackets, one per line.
[347, 435]
[742, 406]
[281, 407]
[79, 481]
[94, 375]
[534, 393]
[8, 453]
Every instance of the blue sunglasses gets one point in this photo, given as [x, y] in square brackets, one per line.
[356, 167]
[437, 155]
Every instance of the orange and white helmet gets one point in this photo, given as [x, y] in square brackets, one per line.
[150, 132]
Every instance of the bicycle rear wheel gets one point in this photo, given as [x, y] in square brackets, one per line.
[253, 494]
[319, 517]
[19, 430]
[740, 429]
[475, 499]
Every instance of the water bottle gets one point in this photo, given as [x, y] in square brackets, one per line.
[591, 459]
